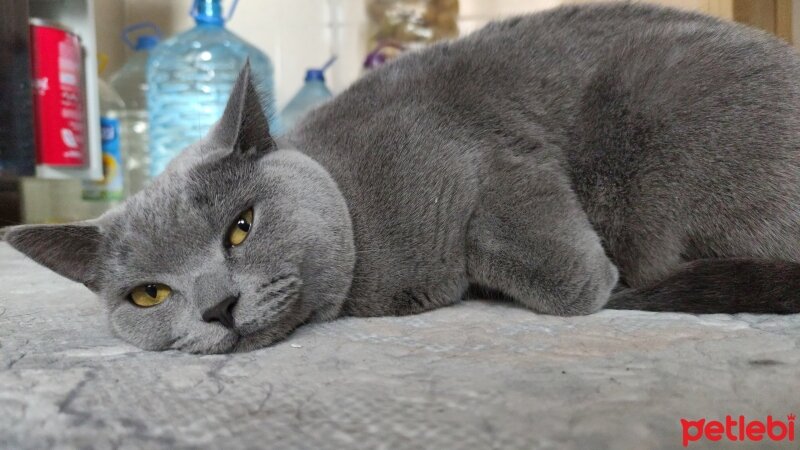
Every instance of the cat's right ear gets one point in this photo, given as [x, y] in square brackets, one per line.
[244, 126]
[70, 250]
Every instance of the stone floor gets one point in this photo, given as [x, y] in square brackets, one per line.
[477, 375]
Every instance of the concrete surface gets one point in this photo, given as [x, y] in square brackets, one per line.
[477, 375]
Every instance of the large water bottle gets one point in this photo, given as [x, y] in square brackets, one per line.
[131, 84]
[313, 93]
[190, 77]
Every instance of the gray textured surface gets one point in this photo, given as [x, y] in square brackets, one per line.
[476, 375]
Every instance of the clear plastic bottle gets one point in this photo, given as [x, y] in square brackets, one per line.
[190, 77]
[131, 84]
[99, 196]
[310, 95]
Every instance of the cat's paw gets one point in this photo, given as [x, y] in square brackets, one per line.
[596, 290]
[581, 294]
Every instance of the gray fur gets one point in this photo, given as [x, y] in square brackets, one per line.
[524, 158]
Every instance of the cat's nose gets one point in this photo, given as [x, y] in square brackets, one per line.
[222, 312]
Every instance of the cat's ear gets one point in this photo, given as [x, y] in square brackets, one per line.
[70, 250]
[244, 126]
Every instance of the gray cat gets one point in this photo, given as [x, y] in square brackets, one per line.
[551, 159]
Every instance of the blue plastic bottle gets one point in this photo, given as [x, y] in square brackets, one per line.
[190, 77]
[310, 95]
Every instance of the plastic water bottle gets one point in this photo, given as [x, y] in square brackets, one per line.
[101, 195]
[131, 84]
[310, 95]
[190, 77]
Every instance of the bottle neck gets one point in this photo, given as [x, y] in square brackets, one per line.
[208, 13]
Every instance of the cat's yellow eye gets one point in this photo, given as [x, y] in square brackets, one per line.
[148, 295]
[237, 233]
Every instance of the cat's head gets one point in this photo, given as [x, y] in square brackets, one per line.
[231, 248]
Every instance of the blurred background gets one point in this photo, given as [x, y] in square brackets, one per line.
[99, 95]
[284, 29]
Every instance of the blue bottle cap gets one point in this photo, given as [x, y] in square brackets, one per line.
[146, 42]
[315, 75]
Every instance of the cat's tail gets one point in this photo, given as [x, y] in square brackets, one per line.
[735, 285]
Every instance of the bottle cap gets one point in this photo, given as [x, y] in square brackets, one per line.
[144, 41]
[319, 74]
[315, 75]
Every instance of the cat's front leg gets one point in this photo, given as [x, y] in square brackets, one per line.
[426, 291]
[530, 239]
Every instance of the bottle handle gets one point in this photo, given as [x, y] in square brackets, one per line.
[226, 17]
[126, 32]
[328, 64]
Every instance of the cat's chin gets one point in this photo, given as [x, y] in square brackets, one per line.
[233, 342]
[249, 343]
[253, 342]
[271, 333]
[262, 338]
[226, 344]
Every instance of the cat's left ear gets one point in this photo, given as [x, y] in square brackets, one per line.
[70, 250]
[244, 126]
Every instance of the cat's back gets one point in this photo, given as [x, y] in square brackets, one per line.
[637, 94]
[647, 49]
[622, 89]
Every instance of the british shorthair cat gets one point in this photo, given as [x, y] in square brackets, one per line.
[625, 156]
